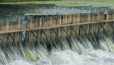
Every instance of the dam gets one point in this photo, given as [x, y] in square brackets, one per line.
[37, 36]
[52, 24]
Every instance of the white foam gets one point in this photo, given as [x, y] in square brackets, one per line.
[68, 57]
[19, 62]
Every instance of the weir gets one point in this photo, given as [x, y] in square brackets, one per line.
[64, 31]
[55, 26]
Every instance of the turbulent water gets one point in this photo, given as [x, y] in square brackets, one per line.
[68, 57]
[81, 52]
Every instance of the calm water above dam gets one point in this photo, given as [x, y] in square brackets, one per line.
[13, 12]
[81, 52]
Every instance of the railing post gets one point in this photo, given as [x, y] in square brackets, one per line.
[107, 18]
[7, 25]
[40, 21]
[56, 19]
[48, 21]
[89, 18]
[30, 24]
[75, 18]
[70, 19]
[65, 19]
[113, 16]
[19, 24]
[60, 19]
[51, 22]
[2, 28]
[78, 18]
[99, 17]
[36, 24]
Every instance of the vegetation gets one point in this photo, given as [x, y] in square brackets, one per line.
[67, 3]
[22, 0]
[54, 0]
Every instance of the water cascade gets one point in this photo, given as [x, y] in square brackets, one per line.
[89, 44]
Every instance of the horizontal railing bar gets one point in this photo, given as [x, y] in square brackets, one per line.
[54, 26]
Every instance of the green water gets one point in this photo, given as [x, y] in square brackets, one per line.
[14, 12]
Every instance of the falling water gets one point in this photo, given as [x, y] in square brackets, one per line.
[80, 51]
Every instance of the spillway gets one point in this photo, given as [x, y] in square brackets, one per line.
[72, 39]
[80, 52]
